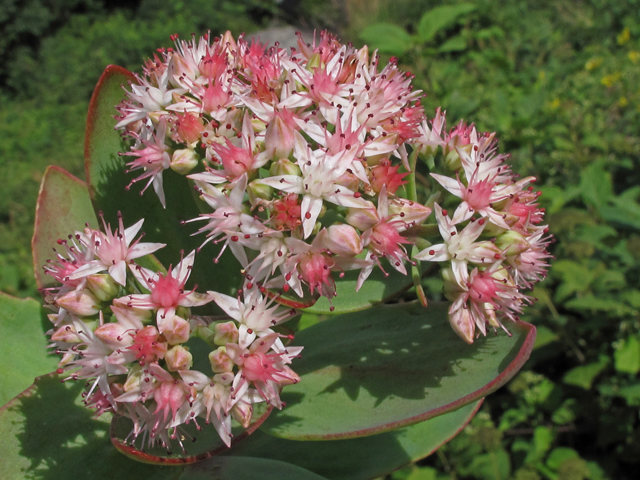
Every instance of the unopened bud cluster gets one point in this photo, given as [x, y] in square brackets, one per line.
[126, 330]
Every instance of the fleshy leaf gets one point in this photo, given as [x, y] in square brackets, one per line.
[361, 458]
[365, 373]
[105, 171]
[239, 468]
[23, 355]
[46, 432]
[377, 289]
[63, 207]
[198, 444]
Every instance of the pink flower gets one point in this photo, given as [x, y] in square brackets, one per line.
[114, 250]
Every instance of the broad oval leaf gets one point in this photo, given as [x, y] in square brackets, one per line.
[436, 19]
[361, 458]
[378, 289]
[63, 207]
[387, 38]
[378, 370]
[198, 441]
[24, 354]
[107, 179]
[48, 432]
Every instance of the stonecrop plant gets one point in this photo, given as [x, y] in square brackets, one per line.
[312, 184]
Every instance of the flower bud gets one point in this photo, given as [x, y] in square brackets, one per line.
[512, 243]
[134, 379]
[463, 324]
[280, 134]
[220, 361]
[363, 218]
[284, 167]
[242, 412]
[66, 334]
[103, 286]
[82, 303]
[183, 161]
[343, 240]
[114, 335]
[257, 190]
[226, 332]
[451, 288]
[178, 358]
[176, 330]
[314, 62]
[410, 212]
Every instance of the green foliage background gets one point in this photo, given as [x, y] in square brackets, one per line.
[560, 83]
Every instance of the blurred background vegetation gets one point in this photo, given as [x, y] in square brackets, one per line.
[559, 80]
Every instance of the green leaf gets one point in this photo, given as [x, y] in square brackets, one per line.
[584, 375]
[377, 289]
[24, 346]
[387, 38]
[542, 441]
[238, 468]
[596, 185]
[560, 455]
[365, 373]
[105, 171]
[207, 442]
[544, 336]
[47, 431]
[361, 458]
[436, 19]
[627, 356]
[455, 44]
[63, 207]
[631, 392]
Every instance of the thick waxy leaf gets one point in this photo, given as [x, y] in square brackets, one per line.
[196, 446]
[361, 458]
[373, 371]
[63, 207]
[107, 179]
[377, 289]
[46, 432]
[23, 355]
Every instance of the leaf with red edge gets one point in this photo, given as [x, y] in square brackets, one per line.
[63, 207]
[24, 354]
[198, 442]
[361, 458]
[377, 289]
[378, 370]
[107, 179]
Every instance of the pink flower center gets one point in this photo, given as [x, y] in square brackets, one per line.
[166, 291]
[316, 271]
[148, 344]
[168, 396]
[478, 194]
[286, 214]
[258, 367]
[483, 289]
[385, 240]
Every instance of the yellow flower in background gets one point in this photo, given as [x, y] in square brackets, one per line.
[609, 80]
[624, 37]
[593, 63]
[634, 56]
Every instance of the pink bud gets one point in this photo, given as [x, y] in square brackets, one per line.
[363, 218]
[178, 358]
[220, 361]
[408, 211]
[279, 137]
[343, 240]
[463, 324]
[176, 330]
[66, 334]
[242, 412]
[183, 161]
[103, 286]
[82, 303]
[114, 335]
[226, 332]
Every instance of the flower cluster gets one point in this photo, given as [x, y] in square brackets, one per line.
[493, 245]
[299, 155]
[126, 330]
[302, 158]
